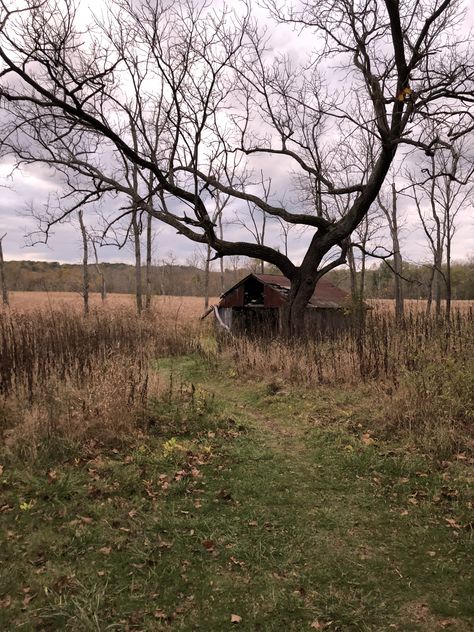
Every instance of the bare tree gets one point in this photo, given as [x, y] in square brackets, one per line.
[199, 83]
[3, 279]
[440, 189]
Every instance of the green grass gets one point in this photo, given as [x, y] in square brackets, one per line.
[282, 507]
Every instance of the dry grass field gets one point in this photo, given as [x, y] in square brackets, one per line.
[173, 307]
[183, 308]
[156, 476]
[417, 305]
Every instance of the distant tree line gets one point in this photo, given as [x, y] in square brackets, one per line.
[415, 279]
[166, 279]
[190, 280]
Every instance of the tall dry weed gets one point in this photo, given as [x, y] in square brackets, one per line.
[422, 370]
[67, 377]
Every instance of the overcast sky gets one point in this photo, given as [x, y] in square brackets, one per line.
[32, 186]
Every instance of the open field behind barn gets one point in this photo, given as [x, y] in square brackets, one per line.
[177, 307]
[418, 305]
[155, 476]
[173, 307]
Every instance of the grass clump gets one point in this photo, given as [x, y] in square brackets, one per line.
[434, 405]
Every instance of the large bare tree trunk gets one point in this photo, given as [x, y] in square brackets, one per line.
[85, 263]
[148, 261]
[3, 280]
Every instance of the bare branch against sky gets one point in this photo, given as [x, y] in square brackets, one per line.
[183, 91]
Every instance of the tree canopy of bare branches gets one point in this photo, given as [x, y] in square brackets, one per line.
[182, 92]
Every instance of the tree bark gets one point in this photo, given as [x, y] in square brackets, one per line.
[397, 259]
[103, 285]
[207, 265]
[448, 279]
[138, 263]
[148, 261]
[3, 279]
[85, 263]
[221, 261]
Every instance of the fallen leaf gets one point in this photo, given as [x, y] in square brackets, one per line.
[452, 523]
[317, 625]
[367, 439]
[1, 470]
[208, 544]
[234, 618]
[52, 476]
[105, 550]
[86, 519]
[26, 599]
[236, 562]
[159, 614]
[6, 602]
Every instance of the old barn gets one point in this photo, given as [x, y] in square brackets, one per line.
[254, 305]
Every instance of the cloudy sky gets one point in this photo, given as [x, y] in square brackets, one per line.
[33, 186]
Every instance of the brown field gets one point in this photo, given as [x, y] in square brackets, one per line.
[174, 307]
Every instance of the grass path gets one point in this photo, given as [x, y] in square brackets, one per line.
[254, 508]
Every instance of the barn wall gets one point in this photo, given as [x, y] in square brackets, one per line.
[233, 299]
[255, 321]
[326, 321]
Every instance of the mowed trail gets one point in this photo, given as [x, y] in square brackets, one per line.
[355, 542]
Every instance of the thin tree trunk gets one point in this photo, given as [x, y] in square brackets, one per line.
[138, 263]
[429, 300]
[85, 263]
[207, 266]
[353, 275]
[103, 285]
[3, 280]
[397, 259]
[437, 283]
[449, 289]
[148, 261]
[362, 279]
[221, 261]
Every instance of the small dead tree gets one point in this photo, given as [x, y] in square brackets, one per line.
[99, 270]
[390, 210]
[85, 262]
[440, 189]
[3, 279]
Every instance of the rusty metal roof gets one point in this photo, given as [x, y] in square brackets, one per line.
[326, 295]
